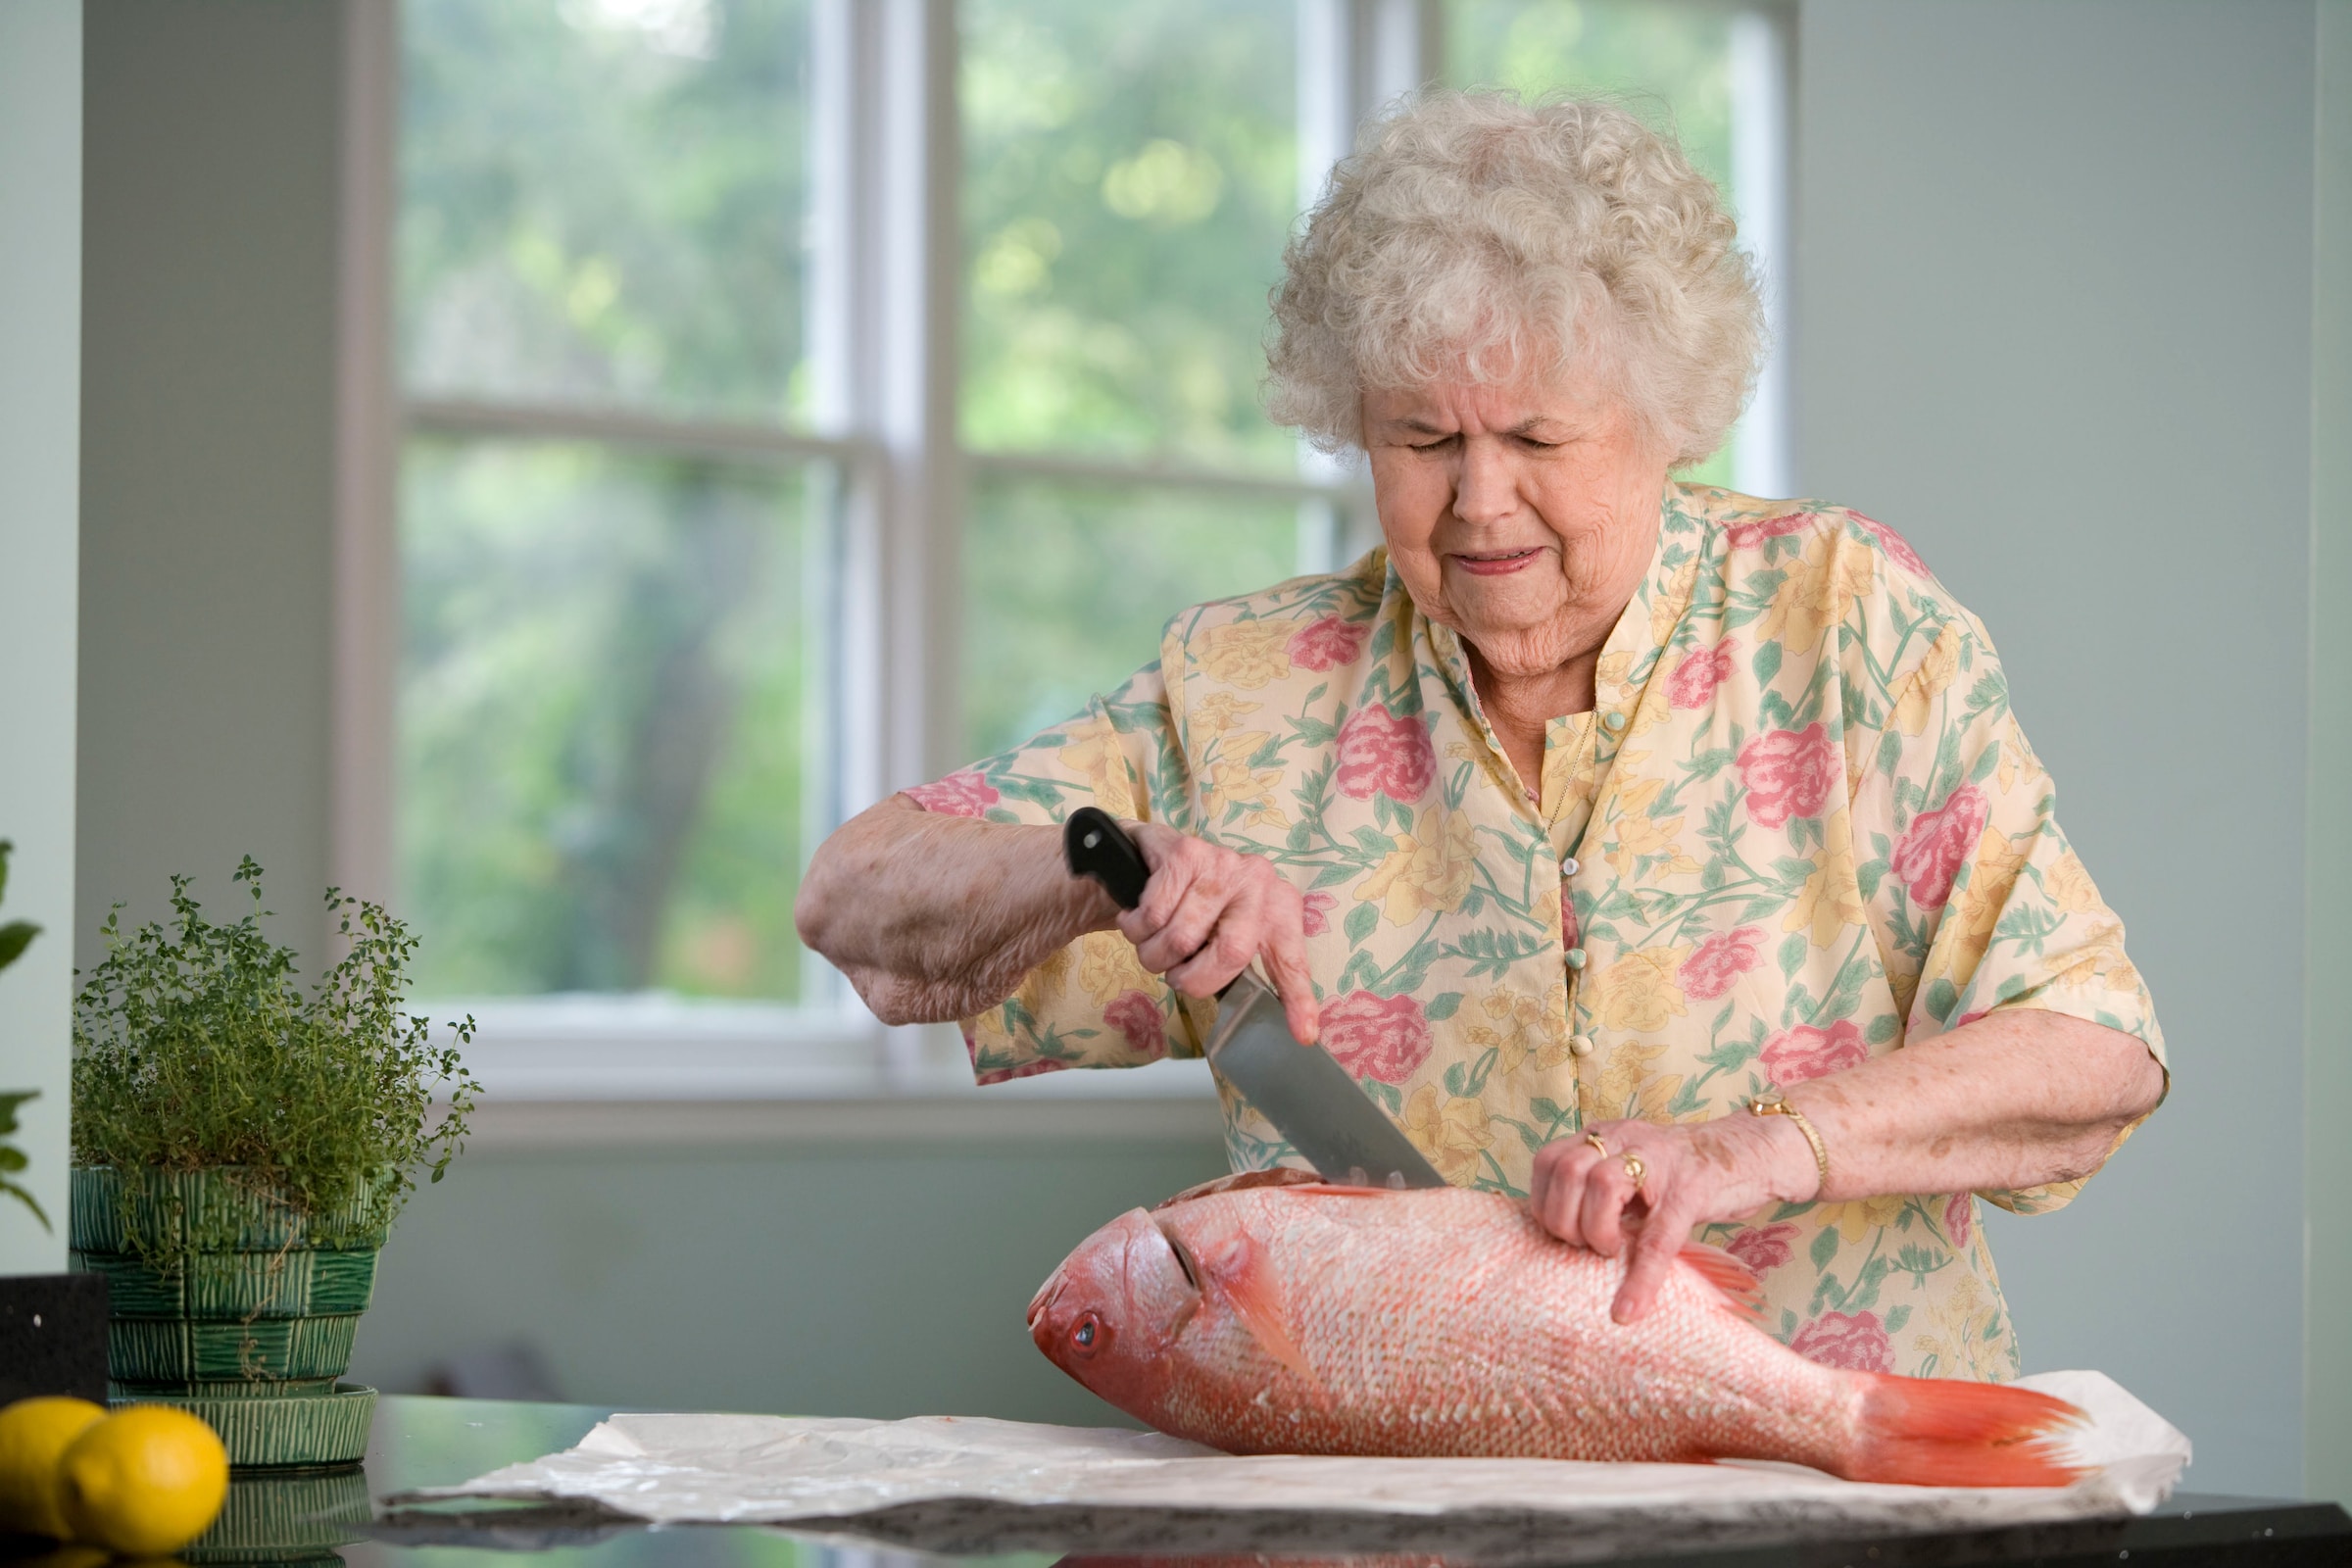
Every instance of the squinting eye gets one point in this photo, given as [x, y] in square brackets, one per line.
[1090, 1334]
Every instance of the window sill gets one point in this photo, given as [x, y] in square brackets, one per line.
[653, 1071]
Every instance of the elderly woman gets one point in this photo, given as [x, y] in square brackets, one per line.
[1668, 856]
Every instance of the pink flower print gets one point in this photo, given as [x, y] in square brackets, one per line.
[1385, 754]
[964, 794]
[1136, 1016]
[1720, 961]
[1762, 1248]
[1938, 843]
[1959, 1217]
[1376, 1037]
[1897, 548]
[1701, 670]
[1314, 912]
[1788, 773]
[1749, 535]
[1568, 927]
[1796, 1055]
[1857, 1342]
[1328, 644]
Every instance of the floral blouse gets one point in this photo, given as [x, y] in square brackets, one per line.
[1801, 828]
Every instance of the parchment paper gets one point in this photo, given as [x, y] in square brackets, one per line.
[752, 1469]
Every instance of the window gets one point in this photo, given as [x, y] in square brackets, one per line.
[800, 397]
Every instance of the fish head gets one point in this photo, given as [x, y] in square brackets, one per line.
[1111, 1314]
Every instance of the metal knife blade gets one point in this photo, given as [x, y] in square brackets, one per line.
[1310, 1097]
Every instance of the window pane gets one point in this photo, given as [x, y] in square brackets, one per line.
[1669, 64]
[1068, 585]
[1130, 177]
[609, 666]
[601, 202]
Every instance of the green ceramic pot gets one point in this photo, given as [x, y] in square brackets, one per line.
[251, 1335]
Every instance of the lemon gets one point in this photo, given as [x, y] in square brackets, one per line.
[144, 1482]
[33, 1434]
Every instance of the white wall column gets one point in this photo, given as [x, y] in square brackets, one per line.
[40, 444]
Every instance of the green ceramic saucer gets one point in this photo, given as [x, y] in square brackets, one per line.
[282, 1431]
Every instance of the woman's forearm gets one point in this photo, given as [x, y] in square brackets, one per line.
[935, 918]
[2017, 1099]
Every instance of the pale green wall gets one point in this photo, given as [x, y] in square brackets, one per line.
[882, 1280]
[40, 290]
[2054, 323]
[208, 478]
[2328, 1151]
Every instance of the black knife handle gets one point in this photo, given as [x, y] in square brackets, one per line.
[1095, 846]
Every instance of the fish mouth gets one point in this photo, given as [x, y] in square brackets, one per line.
[1043, 1301]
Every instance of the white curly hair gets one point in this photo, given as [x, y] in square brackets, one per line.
[1474, 232]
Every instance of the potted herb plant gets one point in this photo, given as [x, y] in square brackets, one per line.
[240, 1147]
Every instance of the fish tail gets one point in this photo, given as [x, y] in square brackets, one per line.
[1948, 1432]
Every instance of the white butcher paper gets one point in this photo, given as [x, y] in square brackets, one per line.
[778, 1470]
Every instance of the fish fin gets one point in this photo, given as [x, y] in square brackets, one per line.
[1734, 1279]
[1242, 1181]
[1244, 1277]
[1949, 1431]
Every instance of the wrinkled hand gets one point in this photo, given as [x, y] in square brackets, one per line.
[1209, 911]
[1693, 1175]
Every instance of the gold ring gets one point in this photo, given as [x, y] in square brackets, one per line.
[1634, 1168]
[1594, 1139]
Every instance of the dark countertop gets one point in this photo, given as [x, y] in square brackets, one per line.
[426, 1443]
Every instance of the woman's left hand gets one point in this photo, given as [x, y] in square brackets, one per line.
[1724, 1169]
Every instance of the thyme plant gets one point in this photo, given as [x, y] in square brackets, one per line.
[194, 1047]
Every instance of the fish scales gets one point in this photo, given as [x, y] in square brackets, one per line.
[1300, 1318]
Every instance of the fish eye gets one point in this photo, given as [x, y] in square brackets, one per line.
[1088, 1335]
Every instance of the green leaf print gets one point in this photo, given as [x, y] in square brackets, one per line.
[1493, 952]
[1793, 954]
[1825, 1246]
[1360, 921]
[1881, 1029]
[1897, 1317]
[1442, 1007]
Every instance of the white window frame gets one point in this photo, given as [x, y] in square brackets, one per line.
[884, 287]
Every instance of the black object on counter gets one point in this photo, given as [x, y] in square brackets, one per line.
[53, 1336]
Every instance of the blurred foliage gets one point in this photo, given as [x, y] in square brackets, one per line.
[610, 662]
[600, 718]
[602, 201]
[194, 1048]
[14, 938]
[1069, 586]
[1130, 176]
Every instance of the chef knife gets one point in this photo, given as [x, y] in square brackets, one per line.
[1310, 1099]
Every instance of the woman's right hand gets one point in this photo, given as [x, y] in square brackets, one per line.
[1209, 911]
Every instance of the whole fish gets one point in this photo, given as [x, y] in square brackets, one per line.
[1269, 1313]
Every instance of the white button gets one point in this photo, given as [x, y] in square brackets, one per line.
[1576, 958]
[1570, 865]
[1580, 1045]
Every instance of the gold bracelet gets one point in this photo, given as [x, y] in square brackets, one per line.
[1772, 1103]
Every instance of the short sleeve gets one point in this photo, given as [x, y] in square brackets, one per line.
[1979, 901]
[1093, 1004]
